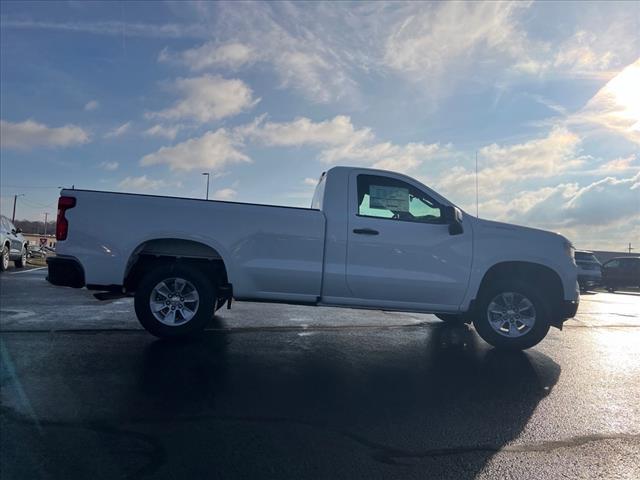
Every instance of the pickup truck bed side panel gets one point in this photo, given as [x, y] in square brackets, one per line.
[270, 252]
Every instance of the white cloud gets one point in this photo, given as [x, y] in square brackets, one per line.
[605, 201]
[540, 157]
[303, 53]
[225, 194]
[341, 142]
[168, 132]
[211, 55]
[142, 183]
[321, 50]
[312, 74]
[91, 105]
[384, 155]
[601, 203]
[577, 53]
[303, 131]
[429, 40]
[212, 151]
[597, 49]
[502, 166]
[621, 164]
[30, 134]
[208, 98]
[118, 131]
[109, 166]
[311, 182]
[445, 43]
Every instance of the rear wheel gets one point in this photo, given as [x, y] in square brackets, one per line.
[4, 258]
[22, 261]
[175, 301]
[512, 315]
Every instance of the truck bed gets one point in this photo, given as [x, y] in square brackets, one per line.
[271, 252]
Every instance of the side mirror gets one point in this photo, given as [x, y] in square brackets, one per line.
[18, 230]
[453, 217]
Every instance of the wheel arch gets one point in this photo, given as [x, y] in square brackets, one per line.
[542, 276]
[171, 250]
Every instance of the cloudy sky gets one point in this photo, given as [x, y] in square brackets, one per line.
[144, 97]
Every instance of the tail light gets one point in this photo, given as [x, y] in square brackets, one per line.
[62, 224]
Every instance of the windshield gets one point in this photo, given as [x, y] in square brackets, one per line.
[585, 257]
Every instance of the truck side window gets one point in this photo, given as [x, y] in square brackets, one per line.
[384, 197]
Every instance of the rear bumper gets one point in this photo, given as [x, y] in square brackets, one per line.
[65, 272]
[569, 309]
[589, 280]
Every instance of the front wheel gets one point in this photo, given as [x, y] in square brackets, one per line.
[512, 316]
[175, 301]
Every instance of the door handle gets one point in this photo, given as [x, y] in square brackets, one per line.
[365, 231]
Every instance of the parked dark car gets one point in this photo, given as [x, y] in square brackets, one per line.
[621, 272]
[589, 270]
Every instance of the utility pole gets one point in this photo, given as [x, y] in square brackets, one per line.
[45, 223]
[207, 175]
[15, 199]
[630, 247]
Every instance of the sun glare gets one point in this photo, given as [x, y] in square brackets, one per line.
[617, 105]
[624, 91]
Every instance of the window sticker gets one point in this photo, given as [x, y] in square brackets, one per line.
[389, 198]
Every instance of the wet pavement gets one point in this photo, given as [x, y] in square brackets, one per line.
[275, 391]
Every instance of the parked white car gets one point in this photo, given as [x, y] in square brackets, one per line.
[371, 239]
[13, 245]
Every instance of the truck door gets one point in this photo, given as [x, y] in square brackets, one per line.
[399, 250]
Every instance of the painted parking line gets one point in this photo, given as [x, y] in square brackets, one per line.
[29, 270]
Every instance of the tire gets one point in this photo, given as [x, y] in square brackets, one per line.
[453, 319]
[4, 258]
[171, 321]
[22, 261]
[521, 334]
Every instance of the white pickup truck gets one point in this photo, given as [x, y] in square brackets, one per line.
[371, 239]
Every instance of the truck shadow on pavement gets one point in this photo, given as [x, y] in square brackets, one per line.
[422, 400]
[442, 401]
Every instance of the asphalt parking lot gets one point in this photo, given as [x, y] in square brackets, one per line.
[275, 391]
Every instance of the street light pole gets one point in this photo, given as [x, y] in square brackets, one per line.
[207, 175]
[15, 199]
[46, 215]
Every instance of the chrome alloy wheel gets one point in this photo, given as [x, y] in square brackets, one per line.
[5, 258]
[174, 301]
[511, 314]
